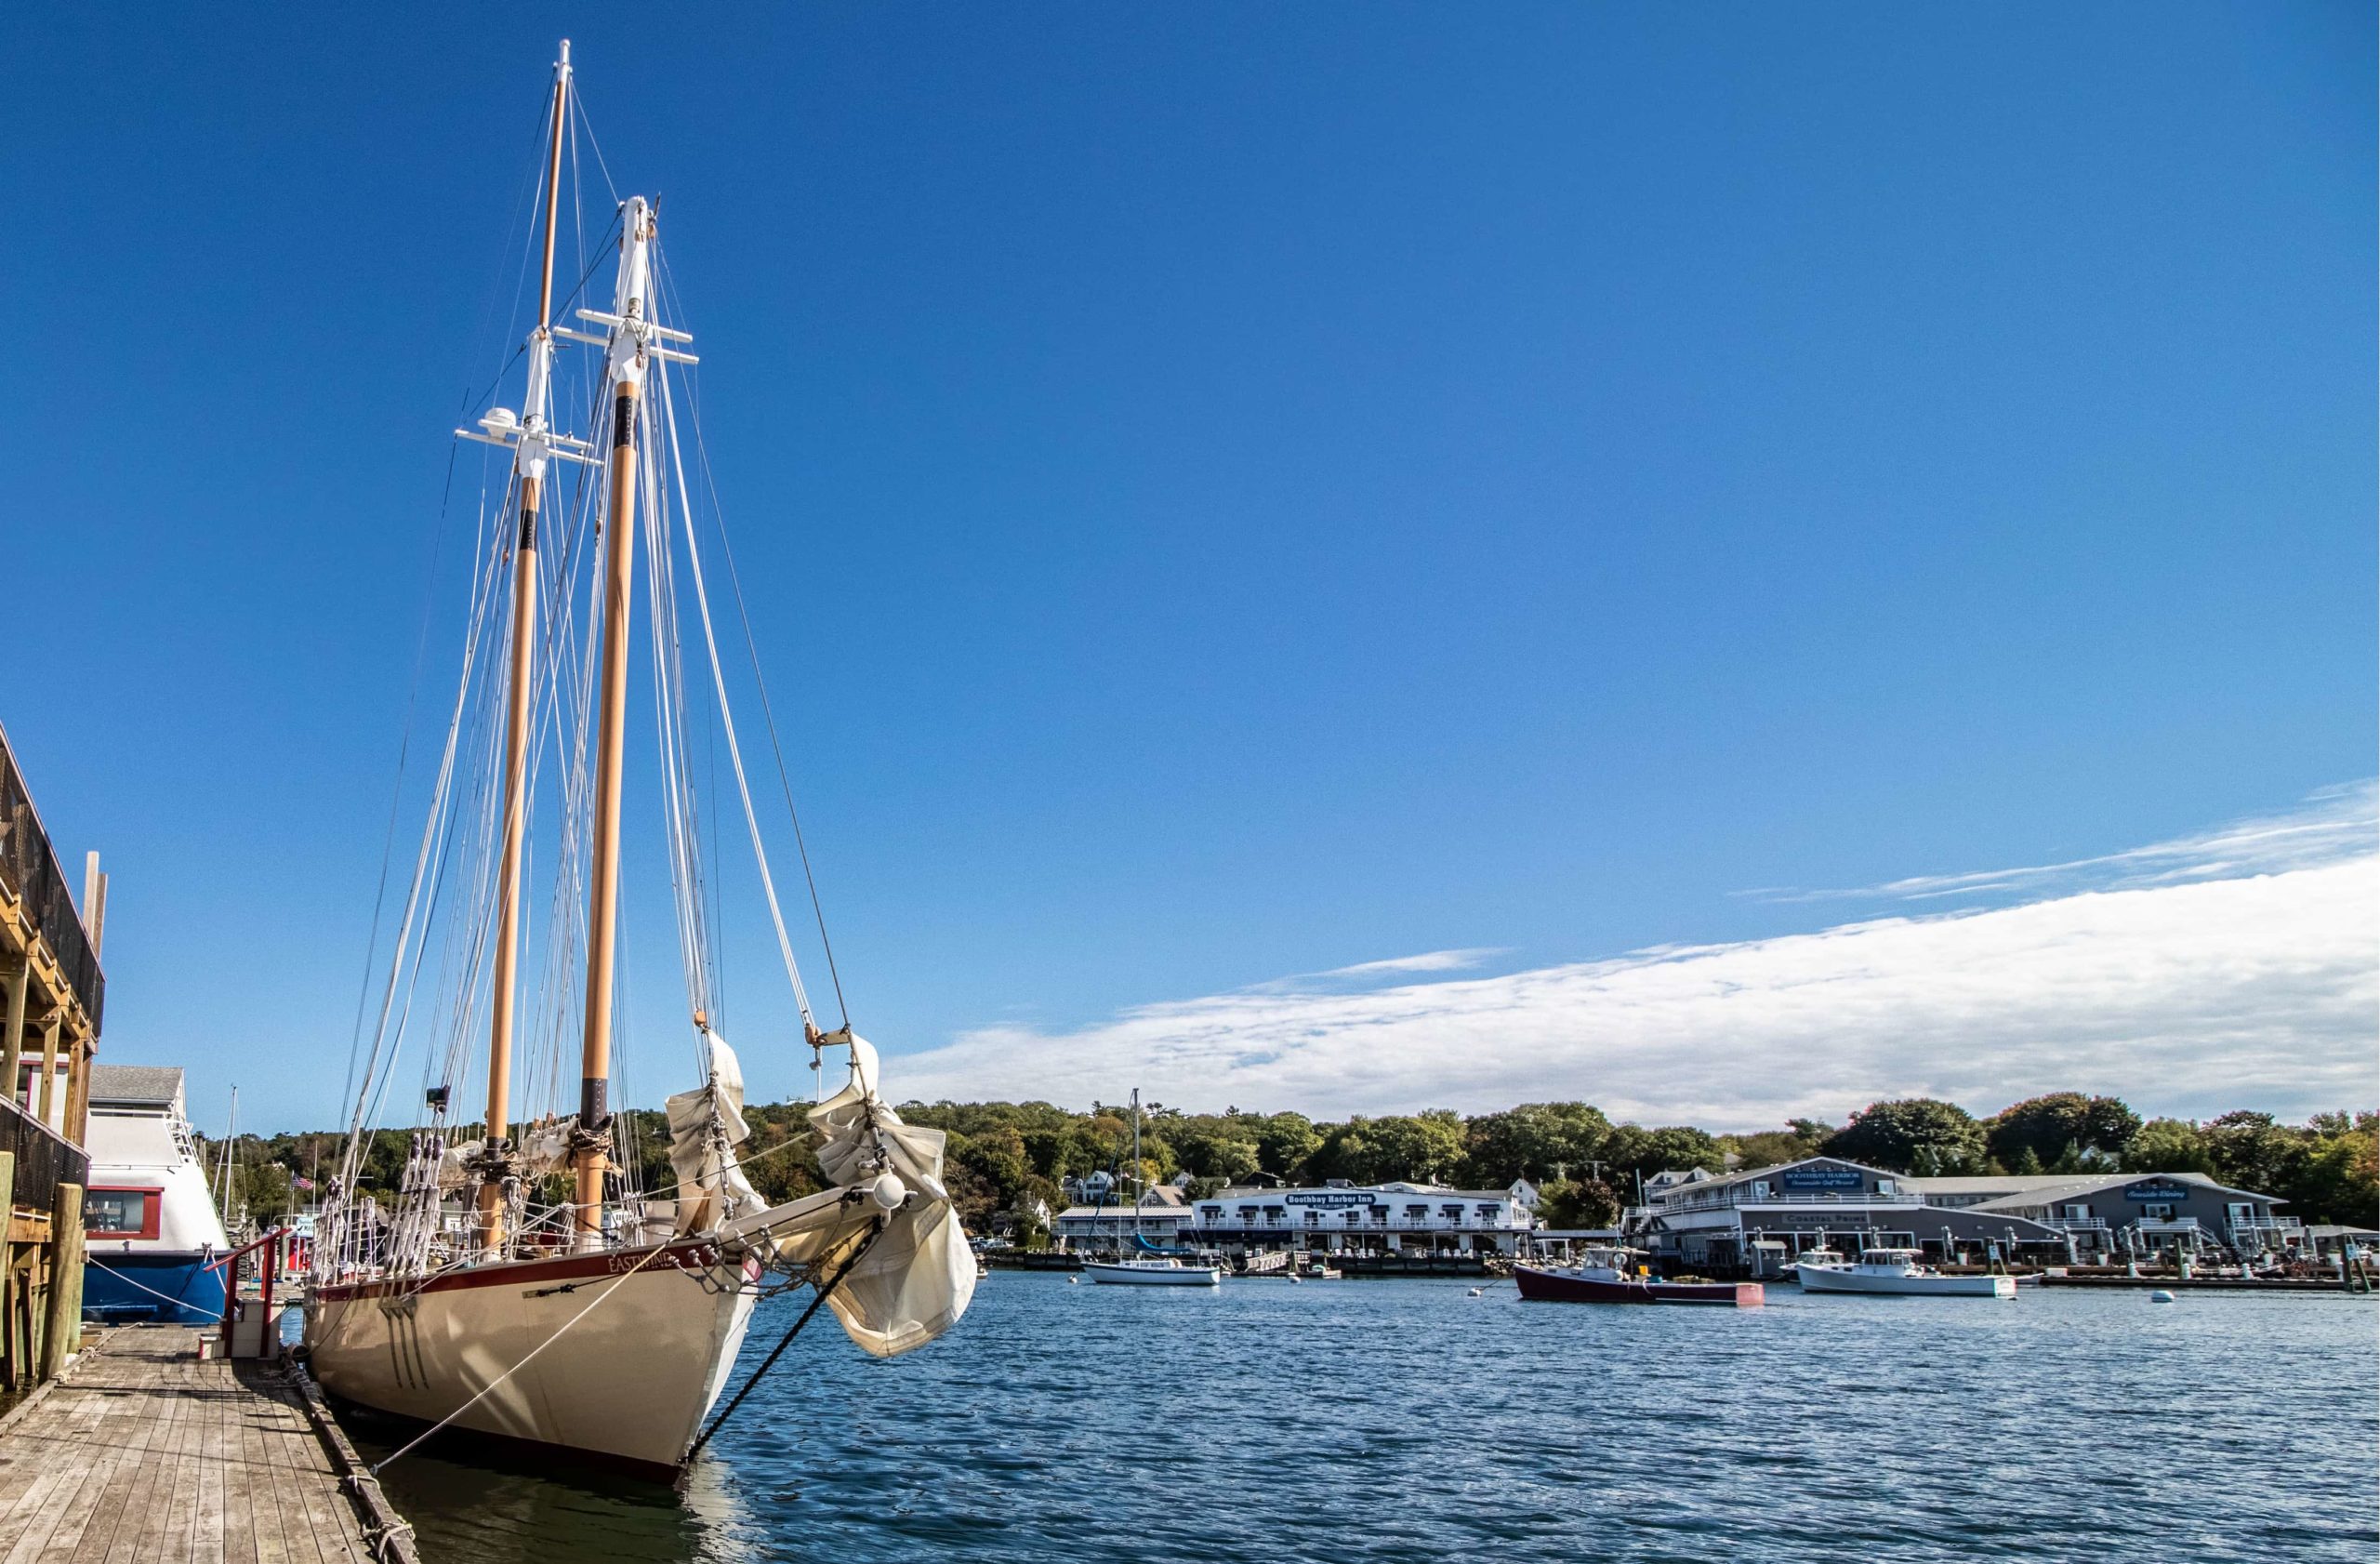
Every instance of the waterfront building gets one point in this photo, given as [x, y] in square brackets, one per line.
[1163, 1218]
[2116, 1215]
[1745, 1221]
[1752, 1219]
[1380, 1218]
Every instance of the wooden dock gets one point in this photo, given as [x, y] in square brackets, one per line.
[143, 1454]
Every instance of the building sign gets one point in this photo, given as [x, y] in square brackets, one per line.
[1823, 1178]
[1331, 1199]
[2158, 1189]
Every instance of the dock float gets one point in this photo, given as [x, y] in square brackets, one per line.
[143, 1453]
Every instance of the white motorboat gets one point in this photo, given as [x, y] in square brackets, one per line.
[1899, 1273]
[1818, 1256]
[1152, 1271]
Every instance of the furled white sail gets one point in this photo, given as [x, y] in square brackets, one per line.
[706, 1126]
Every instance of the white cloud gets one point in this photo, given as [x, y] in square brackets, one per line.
[2196, 985]
[2332, 824]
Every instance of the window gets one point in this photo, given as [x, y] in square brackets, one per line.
[1314, 1219]
[2158, 1211]
[1886, 1187]
[121, 1213]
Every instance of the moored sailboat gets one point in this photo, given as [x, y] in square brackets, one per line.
[602, 1320]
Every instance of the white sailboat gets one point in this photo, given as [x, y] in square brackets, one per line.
[1147, 1271]
[604, 1323]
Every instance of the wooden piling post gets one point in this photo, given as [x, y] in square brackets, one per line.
[63, 1327]
[8, 1347]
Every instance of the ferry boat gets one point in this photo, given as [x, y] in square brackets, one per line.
[1603, 1276]
[153, 1236]
[1899, 1273]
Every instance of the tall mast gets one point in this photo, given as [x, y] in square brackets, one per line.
[529, 461]
[631, 344]
[1136, 1164]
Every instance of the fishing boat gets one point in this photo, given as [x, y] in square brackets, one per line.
[1899, 1273]
[515, 1276]
[1611, 1276]
[153, 1234]
[1145, 1269]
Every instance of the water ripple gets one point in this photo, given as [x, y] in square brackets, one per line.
[1400, 1421]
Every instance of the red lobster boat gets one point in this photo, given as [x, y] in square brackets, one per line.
[1602, 1278]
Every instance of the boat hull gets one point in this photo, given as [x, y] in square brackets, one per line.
[1554, 1287]
[1815, 1279]
[151, 1284]
[1133, 1275]
[651, 1334]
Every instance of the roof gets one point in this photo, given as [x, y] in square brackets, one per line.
[2033, 1190]
[136, 1083]
[1418, 1193]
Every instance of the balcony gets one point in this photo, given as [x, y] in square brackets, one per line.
[45, 1161]
[28, 871]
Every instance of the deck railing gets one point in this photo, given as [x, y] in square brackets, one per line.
[28, 871]
[45, 1158]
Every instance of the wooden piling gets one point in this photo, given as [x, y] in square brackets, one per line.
[64, 1326]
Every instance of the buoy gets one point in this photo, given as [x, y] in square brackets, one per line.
[1074, 1281]
[2161, 1296]
[1478, 1293]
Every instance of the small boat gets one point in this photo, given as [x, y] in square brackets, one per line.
[1899, 1273]
[1148, 1270]
[1818, 1256]
[1604, 1276]
[154, 1238]
[1151, 1272]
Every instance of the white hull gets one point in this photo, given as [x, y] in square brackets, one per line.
[1153, 1276]
[630, 1381]
[1818, 1278]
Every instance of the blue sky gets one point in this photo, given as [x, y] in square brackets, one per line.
[1227, 492]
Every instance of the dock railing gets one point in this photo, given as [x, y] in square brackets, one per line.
[45, 1159]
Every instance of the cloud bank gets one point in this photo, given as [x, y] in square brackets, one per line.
[2241, 968]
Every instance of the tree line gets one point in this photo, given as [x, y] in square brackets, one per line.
[1004, 1156]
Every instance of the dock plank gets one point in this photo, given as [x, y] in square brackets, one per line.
[147, 1455]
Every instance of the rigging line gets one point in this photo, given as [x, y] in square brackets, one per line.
[404, 748]
[734, 752]
[787, 1340]
[768, 710]
[595, 1304]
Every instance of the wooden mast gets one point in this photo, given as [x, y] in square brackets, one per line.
[530, 462]
[631, 326]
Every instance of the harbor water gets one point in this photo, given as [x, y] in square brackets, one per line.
[1408, 1421]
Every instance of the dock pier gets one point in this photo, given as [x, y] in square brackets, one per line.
[145, 1453]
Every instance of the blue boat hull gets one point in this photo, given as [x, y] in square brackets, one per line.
[174, 1289]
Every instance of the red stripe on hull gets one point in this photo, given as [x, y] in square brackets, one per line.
[1556, 1288]
[695, 1257]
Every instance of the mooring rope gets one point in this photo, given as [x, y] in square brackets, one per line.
[787, 1340]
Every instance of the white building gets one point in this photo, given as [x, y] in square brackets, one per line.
[1163, 1218]
[1383, 1217]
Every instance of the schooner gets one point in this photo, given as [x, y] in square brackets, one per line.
[604, 1322]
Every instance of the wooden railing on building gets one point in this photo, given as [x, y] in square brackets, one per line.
[28, 871]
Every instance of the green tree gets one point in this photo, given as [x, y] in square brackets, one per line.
[2255, 1151]
[1538, 1140]
[2168, 1146]
[1578, 1202]
[1284, 1141]
[1922, 1136]
[1636, 1153]
[2060, 1126]
[268, 1190]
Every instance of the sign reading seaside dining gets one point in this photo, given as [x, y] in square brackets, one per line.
[2156, 1189]
[1331, 1199]
[1822, 1178]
